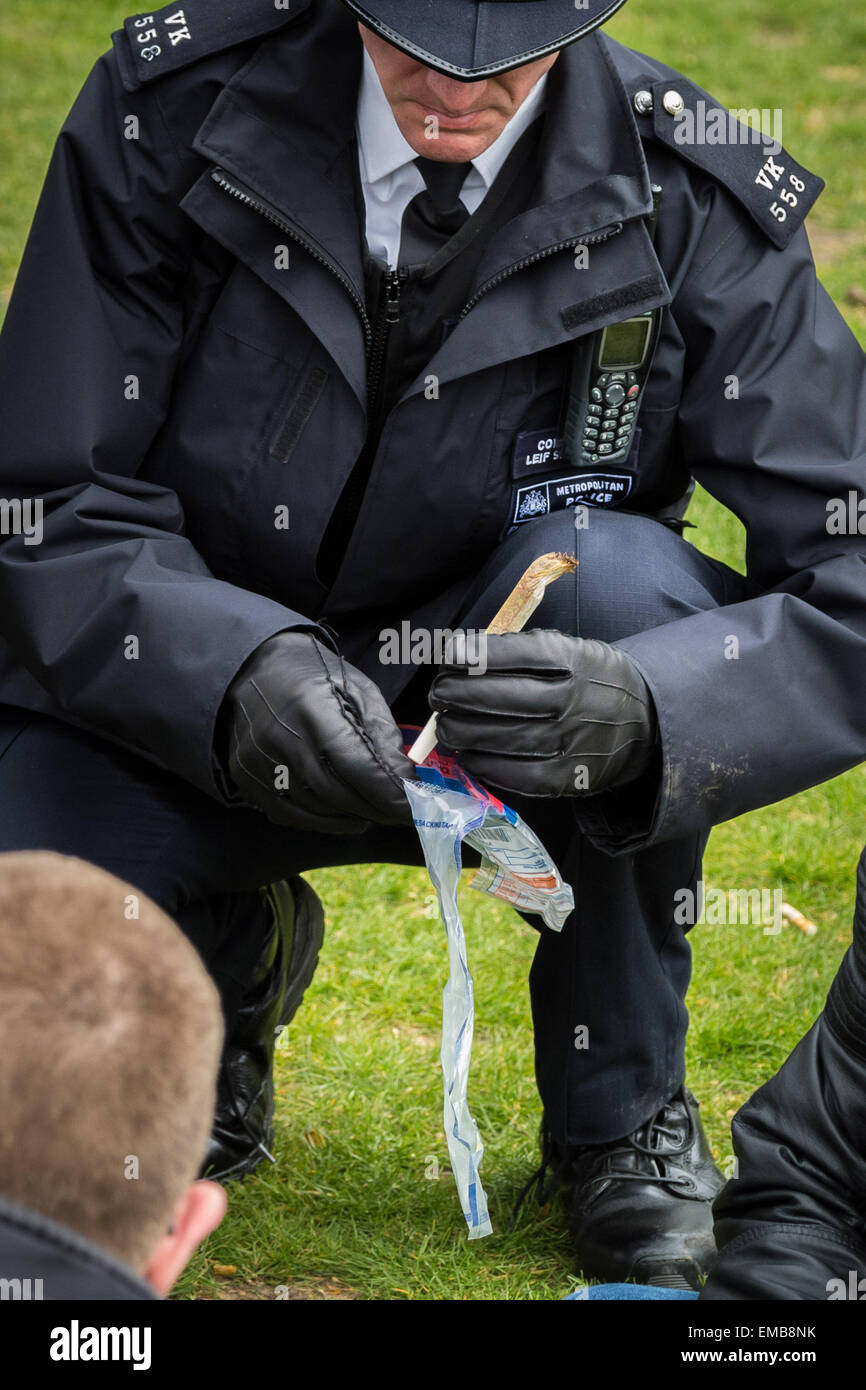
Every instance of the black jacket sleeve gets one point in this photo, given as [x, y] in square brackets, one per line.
[760, 699]
[108, 605]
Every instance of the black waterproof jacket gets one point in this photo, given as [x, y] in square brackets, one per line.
[184, 368]
[792, 1223]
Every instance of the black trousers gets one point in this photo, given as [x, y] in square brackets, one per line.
[621, 965]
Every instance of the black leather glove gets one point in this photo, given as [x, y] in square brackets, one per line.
[551, 715]
[300, 715]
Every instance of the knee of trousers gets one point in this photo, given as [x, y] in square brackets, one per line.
[633, 573]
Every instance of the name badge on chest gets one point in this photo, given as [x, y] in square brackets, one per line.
[535, 451]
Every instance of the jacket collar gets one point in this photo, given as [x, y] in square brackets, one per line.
[285, 125]
[288, 135]
[53, 1262]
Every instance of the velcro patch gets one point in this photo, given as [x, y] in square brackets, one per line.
[745, 156]
[166, 40]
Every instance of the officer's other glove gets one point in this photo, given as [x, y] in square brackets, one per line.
[312, 742]
[546, 714]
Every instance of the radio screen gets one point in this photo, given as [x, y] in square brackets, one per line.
[625, 344]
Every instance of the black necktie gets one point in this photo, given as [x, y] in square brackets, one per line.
[435, 214]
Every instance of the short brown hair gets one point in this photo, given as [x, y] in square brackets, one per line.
[110, 1035]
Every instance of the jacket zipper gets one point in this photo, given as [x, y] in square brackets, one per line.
[345, 515]
[393, 288]
[592, 240]
[219, 177]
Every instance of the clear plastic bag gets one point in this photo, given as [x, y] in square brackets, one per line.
[449, 807]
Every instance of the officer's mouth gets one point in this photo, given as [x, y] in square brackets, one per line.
[449, 122]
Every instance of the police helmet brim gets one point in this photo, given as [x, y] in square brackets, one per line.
[471, 39]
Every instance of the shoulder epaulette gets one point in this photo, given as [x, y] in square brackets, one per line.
[748, 159]
[152, 45]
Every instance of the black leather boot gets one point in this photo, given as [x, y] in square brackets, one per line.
[242, 1131]
[641, 1207]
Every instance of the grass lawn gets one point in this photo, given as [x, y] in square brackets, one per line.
[361, 1203]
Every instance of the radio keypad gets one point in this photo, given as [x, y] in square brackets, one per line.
[610, 414]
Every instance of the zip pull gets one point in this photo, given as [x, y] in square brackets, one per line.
[393, 286]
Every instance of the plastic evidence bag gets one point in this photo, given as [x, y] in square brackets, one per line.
[449, 807]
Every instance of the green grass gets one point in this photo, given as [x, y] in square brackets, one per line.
[359, 1091]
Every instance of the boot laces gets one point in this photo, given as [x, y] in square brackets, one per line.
[556, 1160]
[656, 1131]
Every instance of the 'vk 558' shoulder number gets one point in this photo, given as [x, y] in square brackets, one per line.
[177, 30]
[769, 176]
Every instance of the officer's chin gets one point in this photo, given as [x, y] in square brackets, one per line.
[454, 143]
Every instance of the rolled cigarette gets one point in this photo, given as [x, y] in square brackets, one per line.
[513, 616]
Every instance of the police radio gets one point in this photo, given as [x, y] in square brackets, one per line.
[608, 383]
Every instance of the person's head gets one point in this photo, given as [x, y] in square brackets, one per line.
[468, 116]
[468, 64]
[110, 1038]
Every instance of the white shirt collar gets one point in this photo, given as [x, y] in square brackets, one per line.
[384, 149]
[489, 163]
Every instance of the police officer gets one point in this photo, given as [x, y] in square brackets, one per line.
[310, 343]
